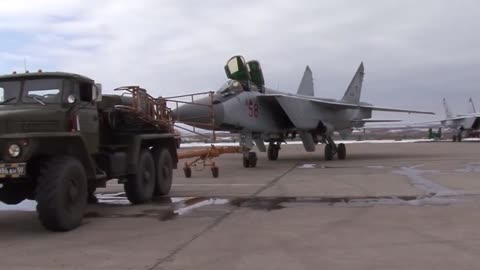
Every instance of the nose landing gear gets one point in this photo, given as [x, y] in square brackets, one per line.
[250, 160]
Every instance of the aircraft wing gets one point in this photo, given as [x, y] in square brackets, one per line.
[340, 105]
[373, 108]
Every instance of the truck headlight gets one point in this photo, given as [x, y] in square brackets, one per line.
[14, 150]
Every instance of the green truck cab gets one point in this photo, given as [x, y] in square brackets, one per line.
[60, 139]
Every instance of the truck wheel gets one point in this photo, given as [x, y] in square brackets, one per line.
[13, 194]
[164, 172]
[61, 193]
[140, 186]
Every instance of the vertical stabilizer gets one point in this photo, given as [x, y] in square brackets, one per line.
[306, 85]
[448, 112]
[471, 106]
[354, 90]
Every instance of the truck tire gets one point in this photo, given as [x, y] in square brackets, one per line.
[164, 171]
[140, 186]
[61, 194]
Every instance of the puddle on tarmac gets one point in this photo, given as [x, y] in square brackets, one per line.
[275, 203]
[173, 207]
[169, 208]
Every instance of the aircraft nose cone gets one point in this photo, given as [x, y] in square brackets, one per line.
[199, 114]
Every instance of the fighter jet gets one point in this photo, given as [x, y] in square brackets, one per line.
[261, 115]
[468, 123]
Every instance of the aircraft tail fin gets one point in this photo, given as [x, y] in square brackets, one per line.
[471, 106]
[448, 112]
[354, 90]
[306, 85]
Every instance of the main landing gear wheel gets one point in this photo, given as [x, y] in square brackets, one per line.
[250, 160]
[454, 138]
[329, 152]
[273, 150]
[341, 151]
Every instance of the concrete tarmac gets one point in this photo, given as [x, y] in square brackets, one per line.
[387, 206]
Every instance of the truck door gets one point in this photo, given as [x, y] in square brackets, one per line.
[87, 113]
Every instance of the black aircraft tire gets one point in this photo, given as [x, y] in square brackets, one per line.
[252, 159]
[454, 138]
[140, 186]
[61, 194]
[215, 172]
[164, 172]
[273, 151]
[341, 151]
[328, 152]
[246, 162]
[188, 172]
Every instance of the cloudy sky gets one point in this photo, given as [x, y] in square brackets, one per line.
[415, 52]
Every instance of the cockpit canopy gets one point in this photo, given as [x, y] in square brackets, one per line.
[239, 70]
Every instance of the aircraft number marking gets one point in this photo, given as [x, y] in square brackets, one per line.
[252, 109]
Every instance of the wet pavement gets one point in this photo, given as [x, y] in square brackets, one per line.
[395, 206]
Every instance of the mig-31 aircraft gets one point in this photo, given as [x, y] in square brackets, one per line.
[261, 115]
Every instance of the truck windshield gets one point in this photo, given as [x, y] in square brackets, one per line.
[9, 92]
[42, 91]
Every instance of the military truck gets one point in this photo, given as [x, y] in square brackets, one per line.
[60, 139]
